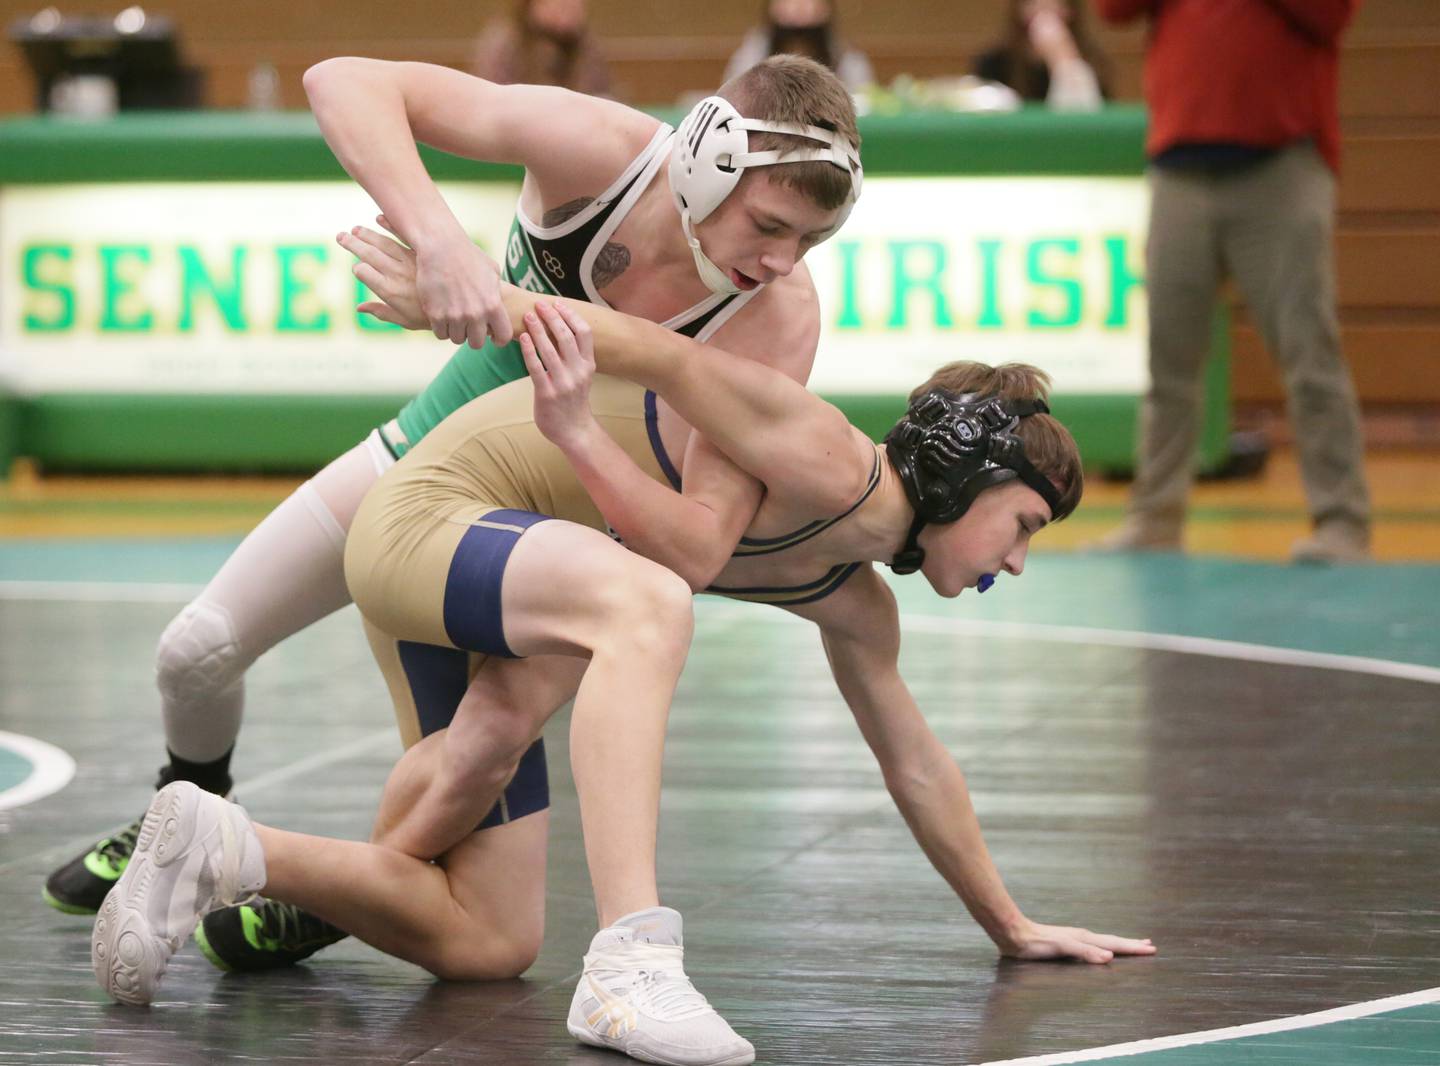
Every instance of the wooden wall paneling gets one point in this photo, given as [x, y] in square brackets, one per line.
[1390, 173]
[17, 92]
[1391, 16]
[1391, 79]
[1392, 364]
[1386, 71]
[1389, 268]
[1388, 250]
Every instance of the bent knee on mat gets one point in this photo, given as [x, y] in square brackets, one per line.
[480, 954]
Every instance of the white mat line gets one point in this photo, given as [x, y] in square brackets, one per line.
[53, 769]
[1235, 1032]
[1123, 638]
[1223, 649]
[358, 746]
[141, 592]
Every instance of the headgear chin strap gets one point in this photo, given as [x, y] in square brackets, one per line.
[715, 279]
[947, 449]
[711, 157]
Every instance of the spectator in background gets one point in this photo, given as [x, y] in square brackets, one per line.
[1244, 146]
[805, 28]
[1048, 54]
[542, 42]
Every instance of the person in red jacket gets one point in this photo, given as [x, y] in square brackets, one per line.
[1244, 148]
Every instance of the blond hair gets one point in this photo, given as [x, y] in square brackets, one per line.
[1048, 444]
[787, 88]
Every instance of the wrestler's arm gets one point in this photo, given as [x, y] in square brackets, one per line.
[692, 531]
[373, 113]
[779, 329]
[798, 445]
[693, 536]
[859, 625]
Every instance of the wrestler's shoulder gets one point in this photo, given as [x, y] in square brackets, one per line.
[579, 137]
[785, 317]
[610, 118]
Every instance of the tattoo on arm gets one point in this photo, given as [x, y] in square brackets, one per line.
[613, 260]
[557, 215]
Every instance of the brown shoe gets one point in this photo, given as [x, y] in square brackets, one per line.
[1137, 534]
[1333, 542]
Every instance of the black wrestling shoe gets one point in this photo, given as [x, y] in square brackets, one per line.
[263, 935]
[79, 887]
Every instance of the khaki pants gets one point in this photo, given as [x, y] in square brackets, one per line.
[1269, 227]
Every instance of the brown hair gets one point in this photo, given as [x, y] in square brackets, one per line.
[788, 88]
[1048, 444]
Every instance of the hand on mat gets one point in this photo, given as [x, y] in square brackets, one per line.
[560, 356]
[1035, 941]
[387, 268]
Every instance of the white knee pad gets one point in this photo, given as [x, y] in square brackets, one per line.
[199, 655]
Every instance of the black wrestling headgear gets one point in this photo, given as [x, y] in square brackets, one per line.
[948, 449]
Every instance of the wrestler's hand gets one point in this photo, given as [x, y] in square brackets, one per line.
[560, 356]
[459, 290]
[1034, 941]
[387, 268]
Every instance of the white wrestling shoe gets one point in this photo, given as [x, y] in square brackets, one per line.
[634, 997]
[194, 854]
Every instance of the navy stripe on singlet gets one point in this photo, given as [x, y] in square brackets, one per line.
[527, 792]
[438, 678]
[472, 587]
[815, 590]
[766, 545]
[652, 429]
[786, 539]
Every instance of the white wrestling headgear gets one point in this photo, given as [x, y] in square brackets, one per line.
[712, 155]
